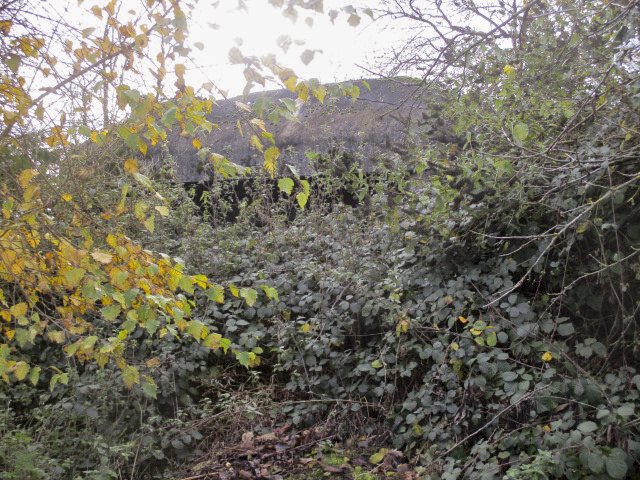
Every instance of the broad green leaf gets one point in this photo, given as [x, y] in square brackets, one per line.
[244, 358]
[616, 464]
[110, 313]
[285, 185]
[492, 340]
[150, 224]
[74, 276]
[302, 199]
[376, 364]
[169, 117]
[150, 389]
[34, 375]
[566, 329]
[587, 427]
[249, 295]
[215, 293]
[520, 133]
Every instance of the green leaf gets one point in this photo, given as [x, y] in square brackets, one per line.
[110, 313]
[595, 461]
[215, 293]
[150, 389]
[302, 199]
[616, 464]
[186, 283]
[89, 342]
[376, 364]
[566, 329]
[250, 295]
[169, 117]
[13, 63]
[492, 340]
[285, 185]
[34, 375]
[130, 376]
[626, 410]
[244, 358]
[74, 276]
[587, 427]
[520, 133]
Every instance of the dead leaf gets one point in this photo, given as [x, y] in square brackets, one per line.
[267, 437]
[331, 468]
[247, 440]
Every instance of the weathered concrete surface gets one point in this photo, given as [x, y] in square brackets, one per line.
[373, 129]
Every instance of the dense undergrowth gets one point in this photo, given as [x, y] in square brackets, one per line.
[482, 311]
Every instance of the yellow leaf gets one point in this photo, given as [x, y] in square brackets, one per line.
[152, 362]
[180, 69]
[131, 166]
[21, 369]
[508, 69]
[305, 328]
[255, 142]
[475, 332]
[97, 11]
[196, 143]
[104, 258]
[66, 197]
[112, 241]
[582, 227]
[56, 336]
[200, 280]
[455, 346]
[271, 159]
[19, 310]
[26, 176]
[149, 223]
[546, 356]
[259, 123]
[162, 210]
[462, 320]
[290, 83]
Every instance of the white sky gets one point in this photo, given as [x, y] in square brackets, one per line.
[338, 46]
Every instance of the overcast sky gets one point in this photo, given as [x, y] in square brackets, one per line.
[338, 47]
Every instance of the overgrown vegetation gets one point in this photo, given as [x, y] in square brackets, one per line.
[477, 312]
